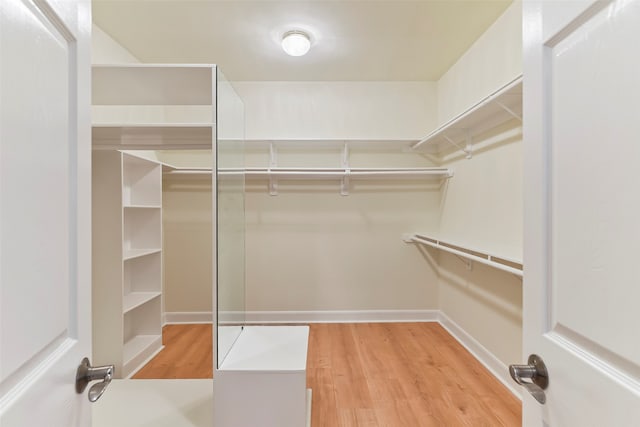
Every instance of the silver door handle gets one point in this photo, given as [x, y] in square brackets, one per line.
[87, 373]
[536, 371]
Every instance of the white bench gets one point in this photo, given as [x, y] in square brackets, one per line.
[262, 380]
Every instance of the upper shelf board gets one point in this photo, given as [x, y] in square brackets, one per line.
[393, 145]
[153, 137]
[153, 84]
[501, 106]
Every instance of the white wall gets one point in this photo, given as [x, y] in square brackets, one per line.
[482, 205]
[105, 50]
[309, 248]
[482, 209]
[493, 60]
[187, 247]
[335, 110]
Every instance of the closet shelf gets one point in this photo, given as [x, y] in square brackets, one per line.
[142, 207]
[136, 299]
[345, 175]
[149, 136]
[137, 253]
[501, 263]
[499, 107]
[396, 145]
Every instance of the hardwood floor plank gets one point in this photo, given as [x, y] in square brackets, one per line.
[323, 410]
[188, 353]
[371, 374]
[386, 390]
[402, 413]
[357, 417]
[352, 393]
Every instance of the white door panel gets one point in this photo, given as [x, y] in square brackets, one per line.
[44, 206]
[584, 390]
[595, 202]
[32, 242]
[582, 206]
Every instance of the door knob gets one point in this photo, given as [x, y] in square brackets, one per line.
[536, 372]
[87, 373]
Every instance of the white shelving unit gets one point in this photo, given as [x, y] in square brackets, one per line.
[499, 262]
[497, 108]
[161, 107]
[138, 107]
[127, 259]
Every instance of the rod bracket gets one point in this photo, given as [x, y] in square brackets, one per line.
[467, 262]
[408, 238]
[467, 149]
[344, 185]
[273, 162]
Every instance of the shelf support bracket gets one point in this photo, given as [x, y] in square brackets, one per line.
[466, 150]
[273, 162]
[344, 187]
[509, 110]
[467, 262]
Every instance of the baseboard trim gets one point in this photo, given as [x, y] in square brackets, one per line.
[178, 317]
[313, 316]
[484, 356]
[144, 362]
[308, 414]
[341, 316]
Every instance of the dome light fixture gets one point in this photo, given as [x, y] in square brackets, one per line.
[296, 43]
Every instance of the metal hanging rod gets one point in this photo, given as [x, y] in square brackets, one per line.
[499, 263]
[324, 172]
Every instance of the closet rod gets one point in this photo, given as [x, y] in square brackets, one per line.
[188, 172]
[322, 172]
[481, 260]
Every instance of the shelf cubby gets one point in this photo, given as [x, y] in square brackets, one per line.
[142, 274]
[142, 334]
[140, 182]
[142, 230]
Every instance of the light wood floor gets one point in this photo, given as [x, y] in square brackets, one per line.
[371, 374]
[187, 353]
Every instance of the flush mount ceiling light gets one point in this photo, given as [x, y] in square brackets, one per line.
[296, 43]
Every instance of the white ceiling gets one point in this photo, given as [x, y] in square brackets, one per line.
[367, 40]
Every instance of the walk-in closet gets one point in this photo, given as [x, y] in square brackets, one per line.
[316, 202]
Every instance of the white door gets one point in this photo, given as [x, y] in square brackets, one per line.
[45, 211]
[582, 210]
